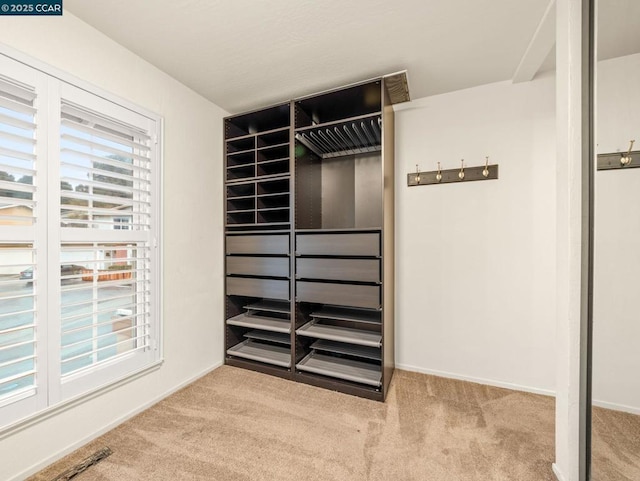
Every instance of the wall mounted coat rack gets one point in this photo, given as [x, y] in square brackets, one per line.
[619, 160]
[463, 174]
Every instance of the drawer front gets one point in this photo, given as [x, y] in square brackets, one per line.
[365, 244]
[362, 270]
[258, 266]
[258, 244]
[338, 294]
[265, 288]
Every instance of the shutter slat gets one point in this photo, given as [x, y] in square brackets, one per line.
[16, 106]
[106, 186]
[14, 154]
[21, 124]
[72, 111]
[16, 361]
[106, 173]
[106, 198]
[76, 330]
[102, 299]
[97, 312]
[16, 170]
[112, 162]
[95, 351]
[104, 135]
[103, 148]
[21, 139]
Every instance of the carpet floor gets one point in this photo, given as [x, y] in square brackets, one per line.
[237, 425]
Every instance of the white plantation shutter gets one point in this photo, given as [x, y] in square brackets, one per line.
[17, 321]
[107, 164]
[17, 152]
[23, 361]
[107, 234]
[79, 247]
[105, 312]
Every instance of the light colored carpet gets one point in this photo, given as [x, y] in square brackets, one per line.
[237, 425]
[616, 446]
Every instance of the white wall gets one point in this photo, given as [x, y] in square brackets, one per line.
[192, 229]
[616, 337]
[476, 261]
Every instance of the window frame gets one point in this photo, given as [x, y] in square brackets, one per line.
[54, 394]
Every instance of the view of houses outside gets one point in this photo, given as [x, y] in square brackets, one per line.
[100, 290]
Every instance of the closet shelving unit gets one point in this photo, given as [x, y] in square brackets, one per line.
[258, 240]
[309, 243]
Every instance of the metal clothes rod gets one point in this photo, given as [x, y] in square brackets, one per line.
[346, 138]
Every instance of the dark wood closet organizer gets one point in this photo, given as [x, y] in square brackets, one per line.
[310, 240]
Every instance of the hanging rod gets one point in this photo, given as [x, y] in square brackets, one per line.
[344, 138]
[462, 174]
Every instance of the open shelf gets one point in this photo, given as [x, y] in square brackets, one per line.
[279, 307]
[269, 336]
[362, 99]
[272, 153]
[364, 352]
[342, 368]
[241, 172]
[240, 204]
[273, 138]
[260, 121]
[340, 334]
[258, 351]
[347, 314]
[253, 321]
[241, 158]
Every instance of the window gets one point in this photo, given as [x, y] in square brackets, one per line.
[79, 231]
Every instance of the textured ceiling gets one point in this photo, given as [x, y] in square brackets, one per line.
[244, 54]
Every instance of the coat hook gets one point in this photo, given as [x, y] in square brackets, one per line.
[439, 174]
[626, 159]
[417, 175]
[485, 172]
[461, 173]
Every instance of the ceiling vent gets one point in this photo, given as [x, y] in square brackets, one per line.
[398, 87]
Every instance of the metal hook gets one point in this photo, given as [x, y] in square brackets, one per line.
[461, 173]
[439, 174]
[626, 159]
[417, 175]
[485, 172]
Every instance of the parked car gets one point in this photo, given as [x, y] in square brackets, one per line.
[65, 270]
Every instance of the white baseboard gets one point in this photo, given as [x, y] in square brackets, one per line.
[478, 380]
[556, 471]
[616, 407]
[116, 422]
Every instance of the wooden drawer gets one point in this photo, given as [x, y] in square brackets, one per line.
[360, 244]
[264, 288]
[338, 294]
[258, 244]
[362, 270]
[258, 266]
